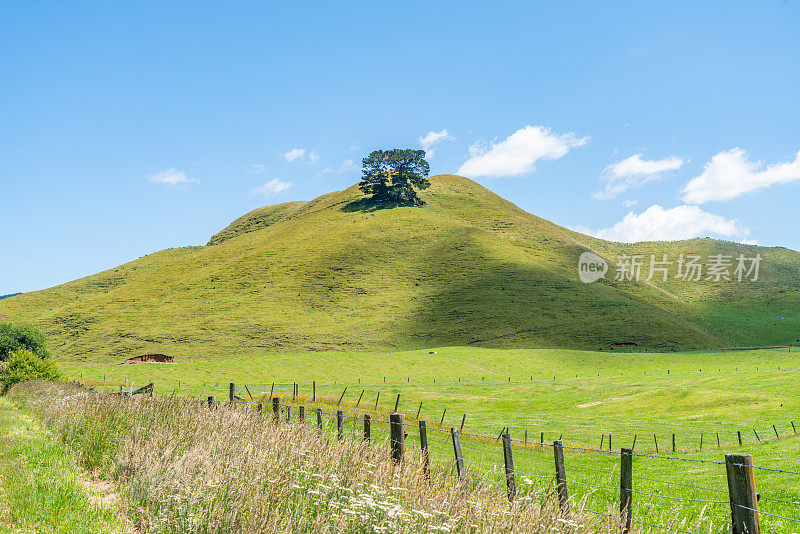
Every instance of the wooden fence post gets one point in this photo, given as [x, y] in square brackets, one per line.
[739, 433]
[212, 401]
[231, 392]
[673, 442]
[461, 428]
[339, 425]
[419, 410]
[633, 447]
[367, 427]
[742, 493]
[340, 398]
[314, 391]
[701, 442]
[462, 474]
[443, 412]
[511, 481]
[260, 407]
[397, 435]
[655, 440]
[626, 489]
[776, 431]
[288, 413]
[423, 445]
[302, 414]
[276, 409]
[319, 418]
[397, 403]
[377, 398]
[359, 398]
[793, 430]
[561, 477]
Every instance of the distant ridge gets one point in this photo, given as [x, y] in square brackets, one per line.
[468, 268]
[9, 295]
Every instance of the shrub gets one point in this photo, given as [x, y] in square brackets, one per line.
[14, 338]
[23, 366]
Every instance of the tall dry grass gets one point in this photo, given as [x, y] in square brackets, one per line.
[184, 468]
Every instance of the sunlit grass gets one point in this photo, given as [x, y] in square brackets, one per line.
[40, 483]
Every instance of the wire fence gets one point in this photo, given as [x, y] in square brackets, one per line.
[592, 473]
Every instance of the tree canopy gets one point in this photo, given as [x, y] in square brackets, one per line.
[13, 338]
[391, 176]
[24, 365]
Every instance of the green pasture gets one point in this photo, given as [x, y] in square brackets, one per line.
[579, 396]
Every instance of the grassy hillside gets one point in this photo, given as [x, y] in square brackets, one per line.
[468, 268]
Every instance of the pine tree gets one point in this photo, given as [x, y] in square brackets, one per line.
[391, 176]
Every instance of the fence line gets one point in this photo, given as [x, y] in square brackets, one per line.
[494, 468]
[738, 467]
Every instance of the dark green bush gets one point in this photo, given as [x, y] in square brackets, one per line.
[24, 365]
[14, 338]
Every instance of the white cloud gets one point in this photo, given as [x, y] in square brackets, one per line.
[301, 154]
[680, 222]
[271, 188]
[633, 172]
[629, 203]
[730, 174]
[518, 153]
[431, 139]
[293, 154]
[172, 177]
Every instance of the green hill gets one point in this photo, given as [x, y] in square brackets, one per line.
[468, 268]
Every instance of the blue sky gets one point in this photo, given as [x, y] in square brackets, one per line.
[129, 128]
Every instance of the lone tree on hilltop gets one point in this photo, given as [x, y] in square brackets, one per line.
[390, 176]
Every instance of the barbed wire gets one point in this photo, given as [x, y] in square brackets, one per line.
[766, 513]
[677, 498]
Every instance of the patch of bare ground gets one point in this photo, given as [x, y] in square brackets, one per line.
[104, 493]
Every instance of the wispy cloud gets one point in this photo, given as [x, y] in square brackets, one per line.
[293, 154]
[301, 154]
[633, 172]
[348, 165]
[731, 174]
[431, 139]
[518, 153]
[171, 177]
[271, 188]
[256, 168]
[673, 224]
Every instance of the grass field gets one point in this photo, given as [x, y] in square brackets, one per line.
[41, 486]
[576, 395]
[335, 292]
